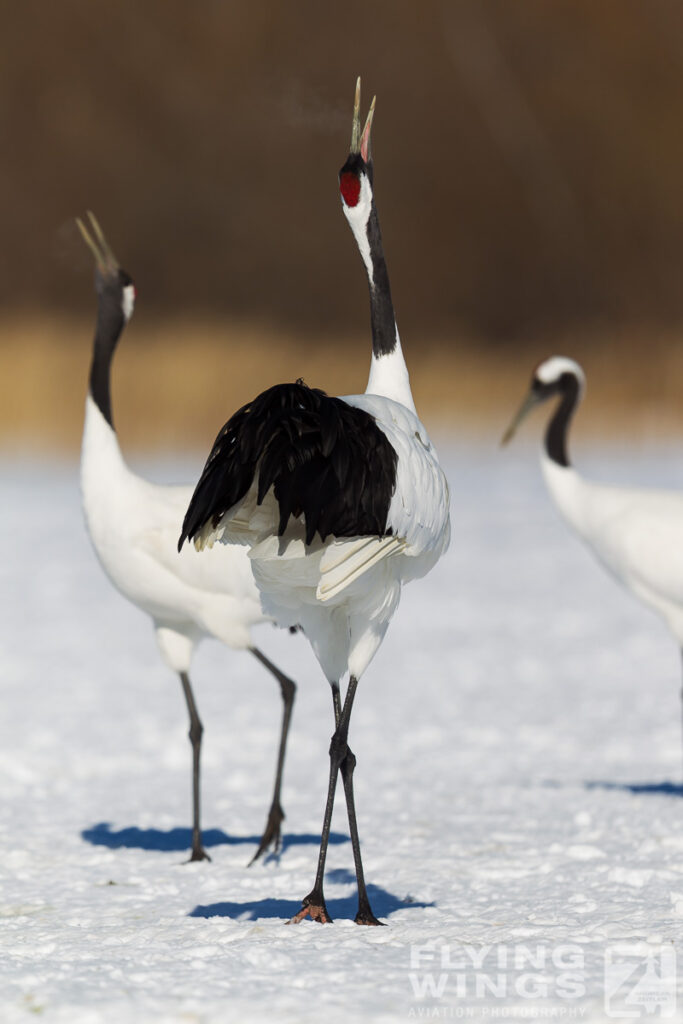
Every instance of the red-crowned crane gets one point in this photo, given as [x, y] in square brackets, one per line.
[340, 500]
[637, 534]
[133, 525]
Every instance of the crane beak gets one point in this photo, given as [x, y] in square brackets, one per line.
[98, 245]
[360, 141]
[529, 403]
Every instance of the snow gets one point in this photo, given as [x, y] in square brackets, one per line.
[519, 757]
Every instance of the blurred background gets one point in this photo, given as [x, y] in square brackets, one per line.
[528, 173]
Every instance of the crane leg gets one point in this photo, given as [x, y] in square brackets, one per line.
[341, 759]
[196, 732]
[272, 834]
[347, 767]
[313, 905]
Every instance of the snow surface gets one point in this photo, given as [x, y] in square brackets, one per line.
[519, 756]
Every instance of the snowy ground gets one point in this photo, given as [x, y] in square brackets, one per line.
[519, 755]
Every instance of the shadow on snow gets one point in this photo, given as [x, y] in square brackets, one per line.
[178, 840]
[383, 903]
[664, 788]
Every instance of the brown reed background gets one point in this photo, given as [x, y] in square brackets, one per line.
[529, 173]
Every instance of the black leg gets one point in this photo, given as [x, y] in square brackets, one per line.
[314, 904]
[365, 914]
[271, 833]
[196, 731]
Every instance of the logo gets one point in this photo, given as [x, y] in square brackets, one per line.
[518, 974]
[640, 981]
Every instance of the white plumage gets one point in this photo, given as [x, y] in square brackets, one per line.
[344, 591]
[637, 534]
[133, 525]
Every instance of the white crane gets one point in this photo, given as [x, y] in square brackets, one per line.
[133, 525]
[341, 501]
[637, 534]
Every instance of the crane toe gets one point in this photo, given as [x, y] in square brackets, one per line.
[272, 834]
[313, 906]
[198, 853]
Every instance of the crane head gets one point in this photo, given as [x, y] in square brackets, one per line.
[358, 168]
[550, 378]
[110, 278]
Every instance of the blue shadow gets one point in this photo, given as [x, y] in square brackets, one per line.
[383, 904]
[639, 788]
[179, 840]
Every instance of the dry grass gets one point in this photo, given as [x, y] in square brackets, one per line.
[176, 383]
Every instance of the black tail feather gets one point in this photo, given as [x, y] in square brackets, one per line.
[324, 459]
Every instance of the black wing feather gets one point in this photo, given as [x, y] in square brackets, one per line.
[325, 460]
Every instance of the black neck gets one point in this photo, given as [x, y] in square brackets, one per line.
[110, 324]
[382, 316]
[558, 428]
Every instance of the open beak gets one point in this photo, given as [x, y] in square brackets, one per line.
[529, 403]
[360, 141]
[98, 245]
